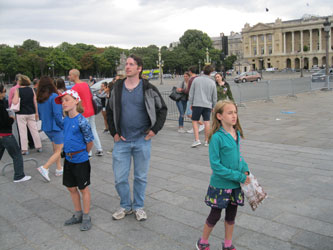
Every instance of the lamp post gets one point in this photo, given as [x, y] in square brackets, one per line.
[261, 66]
[160, 65]
[52, 66]
[199, 66]
[208, 60]
[301, 66]
[327, 27]
[116, 63]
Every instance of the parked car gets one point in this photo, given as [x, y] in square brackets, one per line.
[97, 86]
[320, 75]
[248, 77]
[229, 72]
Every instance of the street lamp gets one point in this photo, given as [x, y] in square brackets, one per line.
[52, 65]
[301, 66]
[261, 66]
[208, 60]
[199, 66]
[327, 27]
[160, 65]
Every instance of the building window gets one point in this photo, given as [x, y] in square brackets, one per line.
[270, 49]
[269, 37]
[262, 37]
[255, 51]
[262, 50]
[254, 38]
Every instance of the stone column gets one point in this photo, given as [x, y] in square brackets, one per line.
[302, 45]
[319, 39]
[292, 42]
[284, 43]
[310, 40]
[258, 45]
[273, 44]
[329, 40]
[250, 46]
[265, 44]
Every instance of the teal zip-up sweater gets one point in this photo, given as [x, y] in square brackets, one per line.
[226, 161]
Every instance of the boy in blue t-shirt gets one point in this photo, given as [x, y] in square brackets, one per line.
[78, 142]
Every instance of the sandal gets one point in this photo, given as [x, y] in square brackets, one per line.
[73, 221]
[86, 224]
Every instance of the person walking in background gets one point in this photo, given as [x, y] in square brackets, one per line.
[60, 85]
[181, 104]
[202, 99]
[8, 141]
[77, 143]
[92, 81]
[103, 93]
[193, 74]
[50, 114]
[135, 113]
[229, 170]
[85, 94]
[28, 114]
[223, 88]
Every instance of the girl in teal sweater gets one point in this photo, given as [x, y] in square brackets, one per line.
[229, 170]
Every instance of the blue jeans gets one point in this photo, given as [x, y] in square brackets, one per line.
[122, 157]
[181, 105]
[10, 143]
[97, 142]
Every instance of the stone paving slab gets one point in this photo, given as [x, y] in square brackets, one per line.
[290, 154]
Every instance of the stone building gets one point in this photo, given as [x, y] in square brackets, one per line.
[290, 44]
[234, 43]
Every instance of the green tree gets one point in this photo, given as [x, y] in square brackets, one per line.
[8, 62]
[229, 61]
[30, 45]
[61, 63]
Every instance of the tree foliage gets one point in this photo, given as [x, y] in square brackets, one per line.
[34, 60]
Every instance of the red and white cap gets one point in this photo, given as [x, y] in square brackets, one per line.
[71, 92]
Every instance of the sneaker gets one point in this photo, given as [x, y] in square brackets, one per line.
[25, 178]
[73, 220]
[121, 213]
[201, 128]
[86, 224]
[181, 130]
[99, 153]
[190, 131]
[105, 131]
[44, 173]
[228, 248]
[196, 143]
[39, 150]
[140, 214]
[59, 172]
[206, 144]
[201, 246]
[90, 154]
[25, 152]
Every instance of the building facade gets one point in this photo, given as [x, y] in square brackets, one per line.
[290, 44]
[235, 46]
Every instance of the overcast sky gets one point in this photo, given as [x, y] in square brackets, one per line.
[129, 23]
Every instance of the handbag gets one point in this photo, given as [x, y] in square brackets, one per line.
[176, 96]
[16, 107]
[253, 192]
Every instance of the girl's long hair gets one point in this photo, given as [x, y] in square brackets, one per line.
[216, 123]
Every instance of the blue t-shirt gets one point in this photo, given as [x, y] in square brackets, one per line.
[77, 133]
[134, 119]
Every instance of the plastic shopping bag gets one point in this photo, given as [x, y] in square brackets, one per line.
[253, 192]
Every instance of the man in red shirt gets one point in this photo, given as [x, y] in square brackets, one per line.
[86, 97]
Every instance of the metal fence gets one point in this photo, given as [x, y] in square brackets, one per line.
[252, 91]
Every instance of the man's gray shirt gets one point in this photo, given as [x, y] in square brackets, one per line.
[203, 92]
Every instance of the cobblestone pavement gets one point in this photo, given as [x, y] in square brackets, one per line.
[288, 146]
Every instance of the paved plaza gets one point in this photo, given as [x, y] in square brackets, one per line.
[288, 146]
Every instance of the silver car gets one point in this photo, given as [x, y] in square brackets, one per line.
[320, 75]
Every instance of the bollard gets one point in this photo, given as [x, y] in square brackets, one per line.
[292, 89]
[268, 99]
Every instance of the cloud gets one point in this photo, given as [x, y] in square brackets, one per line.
[129, 23]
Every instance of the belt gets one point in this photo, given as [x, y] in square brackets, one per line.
[74, 153]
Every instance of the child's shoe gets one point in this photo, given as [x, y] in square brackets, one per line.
[59, 172]
[228, 248]
[201, 246]
[86, 224]
[73, 220]
[44, 173]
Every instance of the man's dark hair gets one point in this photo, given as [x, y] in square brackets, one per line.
[138, 61]
[45, 88]
[193, 69]
[35, 81]
[208, 69]
[60, 84]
